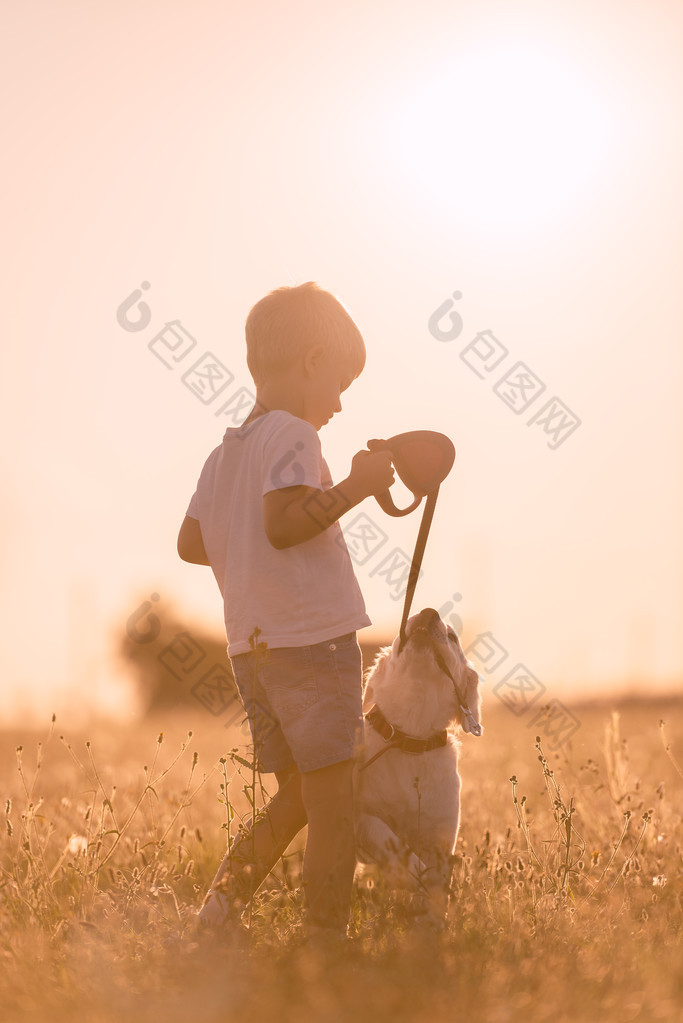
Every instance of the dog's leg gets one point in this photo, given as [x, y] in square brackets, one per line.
[375, 838]
[432, 901]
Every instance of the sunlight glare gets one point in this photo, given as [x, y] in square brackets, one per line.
[507, 137]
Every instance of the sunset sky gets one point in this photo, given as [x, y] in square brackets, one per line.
[525, 156]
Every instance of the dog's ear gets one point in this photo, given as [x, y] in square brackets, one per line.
[472, 695]
[375, 674]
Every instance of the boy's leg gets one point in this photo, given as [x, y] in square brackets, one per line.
[329, 860]
[313, 694]
[256, 852]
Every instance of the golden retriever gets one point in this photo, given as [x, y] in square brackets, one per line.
[408, 788]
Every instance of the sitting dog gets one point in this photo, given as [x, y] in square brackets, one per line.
[407, 784]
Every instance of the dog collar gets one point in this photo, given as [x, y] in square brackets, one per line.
[401, 740]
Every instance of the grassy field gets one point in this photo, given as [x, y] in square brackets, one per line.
[566, 902]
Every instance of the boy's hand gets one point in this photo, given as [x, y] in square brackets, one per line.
[371, 472]
[294, 514]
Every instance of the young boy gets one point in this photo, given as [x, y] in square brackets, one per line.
[264, 517]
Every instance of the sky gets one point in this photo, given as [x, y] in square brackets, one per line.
[493, 191]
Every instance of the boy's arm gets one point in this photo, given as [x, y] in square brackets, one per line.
[294, 514]
[190, 543]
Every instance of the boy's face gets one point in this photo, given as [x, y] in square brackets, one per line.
[328, 379]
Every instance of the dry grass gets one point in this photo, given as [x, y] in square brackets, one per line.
[566, 892]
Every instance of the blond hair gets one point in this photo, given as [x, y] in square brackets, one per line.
[289, 321]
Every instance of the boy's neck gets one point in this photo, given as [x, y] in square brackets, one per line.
[285, 393]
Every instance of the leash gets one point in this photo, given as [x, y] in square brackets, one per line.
[418, 553]
[475, 727]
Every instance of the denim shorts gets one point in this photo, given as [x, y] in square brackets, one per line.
[304, 704]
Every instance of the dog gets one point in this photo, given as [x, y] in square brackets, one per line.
[415, 698]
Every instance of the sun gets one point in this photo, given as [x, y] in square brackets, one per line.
[509, 136]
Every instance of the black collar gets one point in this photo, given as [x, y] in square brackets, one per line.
[400, 740]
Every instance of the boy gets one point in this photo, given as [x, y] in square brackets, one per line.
[264, 517]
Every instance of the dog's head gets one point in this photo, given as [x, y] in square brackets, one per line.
[429, 685]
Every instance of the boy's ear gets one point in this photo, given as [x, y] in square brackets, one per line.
[314, 357]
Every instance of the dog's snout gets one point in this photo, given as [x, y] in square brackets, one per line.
[427, 617]
[426, 623]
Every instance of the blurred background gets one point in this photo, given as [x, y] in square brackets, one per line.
[492, 190]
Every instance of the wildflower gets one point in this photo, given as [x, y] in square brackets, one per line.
[77, 844]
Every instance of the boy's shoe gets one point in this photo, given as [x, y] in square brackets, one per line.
[218, 911]
[196, 931]
[230, 931]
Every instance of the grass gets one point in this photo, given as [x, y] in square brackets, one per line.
[566, 901]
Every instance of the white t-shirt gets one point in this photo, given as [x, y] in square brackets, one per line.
[297, 596]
